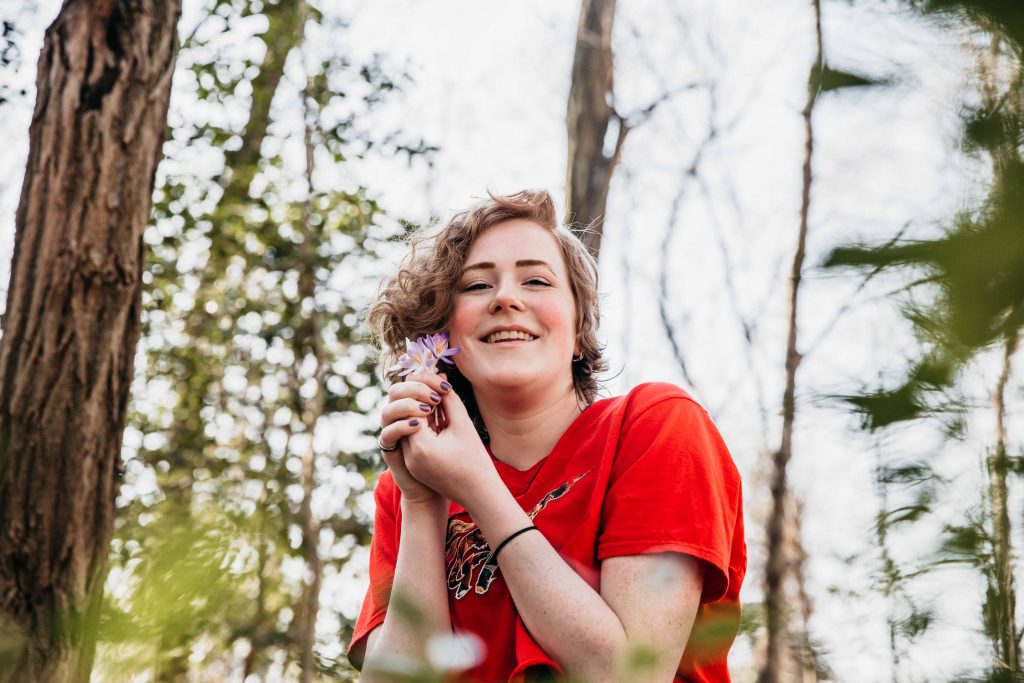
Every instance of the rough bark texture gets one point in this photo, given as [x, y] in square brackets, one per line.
[589, 116]
[72, 323]
[784, 660]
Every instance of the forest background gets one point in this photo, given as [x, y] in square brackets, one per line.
[812, 220]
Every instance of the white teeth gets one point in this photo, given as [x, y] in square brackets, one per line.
[509, 334]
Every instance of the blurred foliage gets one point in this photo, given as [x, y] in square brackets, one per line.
[260, 259]
[970, 280]
[916, 487]
[830, 80]
[11, 56]
[965, 297]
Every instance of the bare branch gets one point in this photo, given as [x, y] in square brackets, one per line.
[782, 660]
[848, 305]
[666, 249]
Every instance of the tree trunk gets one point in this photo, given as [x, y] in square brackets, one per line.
[590, 113]
[783, 660]
[999, 611]
[308, 343]
[1002, 599]
[72, 323]
[286, 22]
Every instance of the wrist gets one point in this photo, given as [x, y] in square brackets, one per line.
[436, 506]
[483, 488]
[496, 511]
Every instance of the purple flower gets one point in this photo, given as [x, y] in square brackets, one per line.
[438, 345]
[423, 354]
[418, 357]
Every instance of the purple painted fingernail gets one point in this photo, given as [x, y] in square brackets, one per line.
[413, 423]
[446, 386]
[435, 397]
[425, 408]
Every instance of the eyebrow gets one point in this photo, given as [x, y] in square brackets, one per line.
[489, 265]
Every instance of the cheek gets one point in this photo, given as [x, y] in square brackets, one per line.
[462, 323]
[560, 319]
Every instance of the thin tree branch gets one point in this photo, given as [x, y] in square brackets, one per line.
[666, 249]
[849, 304]
[778, 664]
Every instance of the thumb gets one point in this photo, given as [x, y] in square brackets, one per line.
[454, 408]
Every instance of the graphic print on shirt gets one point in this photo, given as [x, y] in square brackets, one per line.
[466, 550]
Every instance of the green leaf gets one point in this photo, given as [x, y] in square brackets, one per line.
[831, 80]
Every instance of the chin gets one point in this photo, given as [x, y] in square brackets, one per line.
[512, 378]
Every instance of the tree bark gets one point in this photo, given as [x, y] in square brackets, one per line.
[589, 115]
[782, 658]
[72, 323]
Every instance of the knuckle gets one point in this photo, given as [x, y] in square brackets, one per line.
[387, 415]
[427, 379]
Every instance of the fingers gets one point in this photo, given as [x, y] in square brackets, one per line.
[417, 398]
[405, 409]
[423, 392]
[394, 432]
[436, 383]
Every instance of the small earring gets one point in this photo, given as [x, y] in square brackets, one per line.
[576, 359]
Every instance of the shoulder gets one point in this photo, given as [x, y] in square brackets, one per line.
[663, 421]
[663, 399]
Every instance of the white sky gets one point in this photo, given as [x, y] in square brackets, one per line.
[490, 86]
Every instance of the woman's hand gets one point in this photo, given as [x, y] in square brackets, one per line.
[411, 406]
[451, 459]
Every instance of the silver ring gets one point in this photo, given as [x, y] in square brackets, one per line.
[387, 450]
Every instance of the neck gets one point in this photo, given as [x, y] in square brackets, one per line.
[524, 430]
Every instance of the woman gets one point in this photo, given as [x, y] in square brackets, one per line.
[602, 540]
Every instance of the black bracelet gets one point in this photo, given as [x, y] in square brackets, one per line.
[492, 559]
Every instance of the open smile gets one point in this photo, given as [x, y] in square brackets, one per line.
[508, 337]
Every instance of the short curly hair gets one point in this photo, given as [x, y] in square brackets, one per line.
[420, 298]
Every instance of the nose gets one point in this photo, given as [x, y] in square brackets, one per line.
[506, 298]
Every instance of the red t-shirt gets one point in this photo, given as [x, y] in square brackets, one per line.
[642, 473]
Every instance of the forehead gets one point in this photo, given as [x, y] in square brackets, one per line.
[514, 240]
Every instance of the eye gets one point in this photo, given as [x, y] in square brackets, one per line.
[538, 281]
[475, 287]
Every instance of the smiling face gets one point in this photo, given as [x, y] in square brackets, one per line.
[515, 315]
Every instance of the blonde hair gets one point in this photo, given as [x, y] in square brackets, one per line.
[420, 298]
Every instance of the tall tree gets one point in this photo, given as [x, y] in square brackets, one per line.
[783, 657]
[590, 113]
[73, 321]
[310, 410]
[999, 611]
[789, 653]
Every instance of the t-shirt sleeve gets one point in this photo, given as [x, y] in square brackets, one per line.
[673, 487]
[383, 556]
